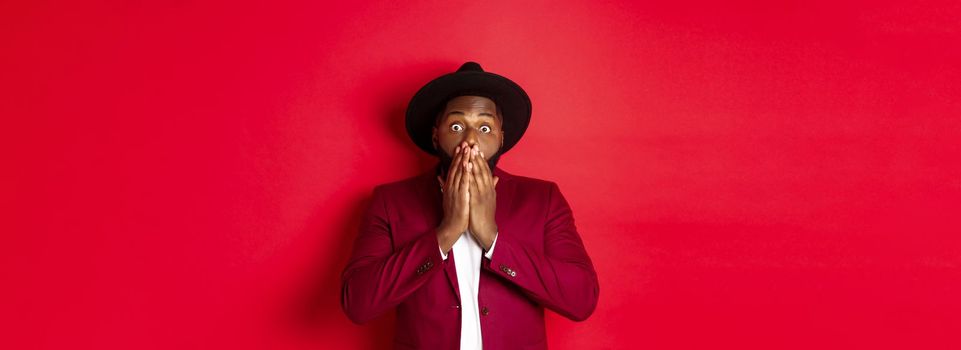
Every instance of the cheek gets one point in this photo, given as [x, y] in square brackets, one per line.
[448, 143]
[491, 145]
[445, 139]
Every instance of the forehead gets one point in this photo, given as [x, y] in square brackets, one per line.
[477, 104]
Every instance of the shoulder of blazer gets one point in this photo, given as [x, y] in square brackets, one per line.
[413, 181]
[526, 184]
[408, 188]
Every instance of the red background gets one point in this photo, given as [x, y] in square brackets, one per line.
[187, 175]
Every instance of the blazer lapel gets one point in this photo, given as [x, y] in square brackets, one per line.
[505, 195]
[451, 272]
[436, 199]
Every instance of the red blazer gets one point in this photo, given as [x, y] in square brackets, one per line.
[539, 262]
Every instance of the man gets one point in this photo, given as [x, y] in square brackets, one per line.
[465, 265]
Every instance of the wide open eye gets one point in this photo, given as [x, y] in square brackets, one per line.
[456, 127]
[485, 129]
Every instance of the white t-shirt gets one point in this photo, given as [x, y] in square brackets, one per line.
[468, 266]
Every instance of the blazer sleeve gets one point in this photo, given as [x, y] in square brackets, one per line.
[378, 275]
[562, 276]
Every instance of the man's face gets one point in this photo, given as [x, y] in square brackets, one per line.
[471, 119]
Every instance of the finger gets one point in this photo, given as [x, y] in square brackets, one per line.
[465, 160]
[476, 185]
[465, 172]
[495, 181]
[458, 174]
[465, 185]
[453, 159]
[458, 159]
[477, 173]
[472, 169]
[483, 171]
[488, 172]
[453, 163]
[451, 183]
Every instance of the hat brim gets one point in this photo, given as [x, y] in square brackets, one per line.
[513, 102]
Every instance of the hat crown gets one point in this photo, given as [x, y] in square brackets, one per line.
[470, 67]
[470, 79]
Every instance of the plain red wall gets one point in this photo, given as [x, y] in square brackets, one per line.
[187, 175]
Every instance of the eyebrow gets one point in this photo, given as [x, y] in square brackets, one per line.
[484, 114]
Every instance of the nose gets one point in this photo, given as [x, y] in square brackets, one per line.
[471, 138]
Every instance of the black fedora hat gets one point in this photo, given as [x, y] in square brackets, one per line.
[469, 79]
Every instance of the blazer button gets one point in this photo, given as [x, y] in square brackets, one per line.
[484, 311]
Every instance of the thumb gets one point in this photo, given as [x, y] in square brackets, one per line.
[441, 182]
[495, 180]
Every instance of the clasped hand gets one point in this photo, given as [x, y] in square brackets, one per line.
[469, 198]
